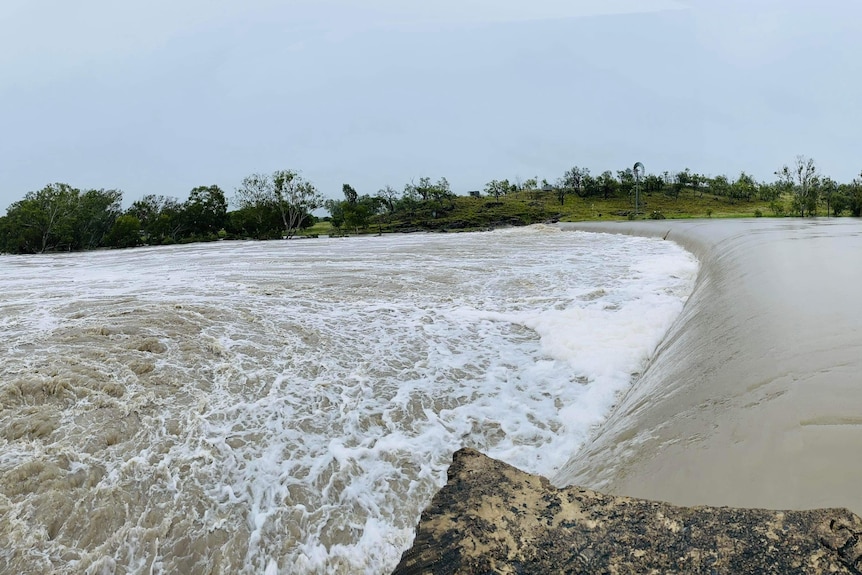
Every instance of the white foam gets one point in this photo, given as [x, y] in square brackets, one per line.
[319, 387]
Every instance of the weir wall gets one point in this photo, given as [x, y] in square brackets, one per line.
[754, 397]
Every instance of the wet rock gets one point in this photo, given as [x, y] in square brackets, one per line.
[493, 518]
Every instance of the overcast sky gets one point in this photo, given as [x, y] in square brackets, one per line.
[165, 95]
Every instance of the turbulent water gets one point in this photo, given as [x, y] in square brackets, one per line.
[291, 407]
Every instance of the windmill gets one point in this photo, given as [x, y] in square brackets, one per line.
[638, 170]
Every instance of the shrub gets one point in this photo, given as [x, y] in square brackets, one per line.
[777, 208]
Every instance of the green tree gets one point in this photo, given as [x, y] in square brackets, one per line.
[43, 221]
[626, 179]
[170, 223]
[161, 218]
[336, 213]
[675, 188]
[286, 193]
[497, 188]
[561, 189]
[828, 193]
[853, 191]
[256, 214]
[680, 181]
[354, 212]
[840, 201]
[348, 212]
[350, 194]
[146, 210]
[768, 192]
[608, 184]
[720, 185]
[94, 216]
[410, 200]
[125, 232]
[592, 186]
[21, 231]
[4, 234]
[424, 188]
[441, 194]
[375, 207]
[60, 217]
[356, 215]
[388, 196]
[205, 211]
[695, 182]
[573, 181]
[653, 184]
[296, 199]
[743, 188]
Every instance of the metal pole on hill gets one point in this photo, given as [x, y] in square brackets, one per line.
[639, 171]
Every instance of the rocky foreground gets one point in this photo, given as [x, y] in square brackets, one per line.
[493, 518]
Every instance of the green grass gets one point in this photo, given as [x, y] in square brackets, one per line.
[320, 228]
[532, 207]
[465, 213]
[687, 205]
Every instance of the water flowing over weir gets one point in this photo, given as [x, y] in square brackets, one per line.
[753, 398]
[290, 407]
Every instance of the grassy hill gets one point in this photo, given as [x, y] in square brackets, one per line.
[529, 207]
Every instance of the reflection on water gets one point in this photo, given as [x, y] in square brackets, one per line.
[292, 406]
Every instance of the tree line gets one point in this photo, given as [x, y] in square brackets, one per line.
[266, 206]
[799, 188]
[417, 201]
[62, 218]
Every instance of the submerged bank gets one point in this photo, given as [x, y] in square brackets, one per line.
[753, 399]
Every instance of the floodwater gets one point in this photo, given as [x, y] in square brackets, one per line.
[753, 398]
[291, 407]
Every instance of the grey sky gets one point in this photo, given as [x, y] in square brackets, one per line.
[161, 96]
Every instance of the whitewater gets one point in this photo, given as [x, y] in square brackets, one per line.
[292, 406]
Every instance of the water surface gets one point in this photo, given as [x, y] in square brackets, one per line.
[291, 407]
